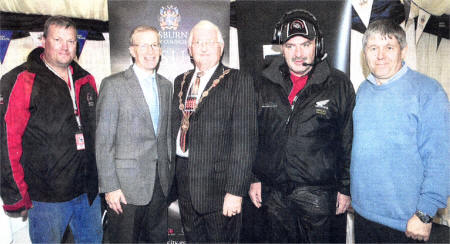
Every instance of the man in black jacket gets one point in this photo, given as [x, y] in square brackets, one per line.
[47, 128]
[305, 134]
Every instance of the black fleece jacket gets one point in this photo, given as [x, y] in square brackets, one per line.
[308, 144]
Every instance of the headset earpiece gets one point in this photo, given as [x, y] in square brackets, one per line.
[277, 32]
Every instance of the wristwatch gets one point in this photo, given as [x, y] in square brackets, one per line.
[425, 218]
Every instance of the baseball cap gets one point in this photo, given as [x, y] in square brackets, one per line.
[297, 26]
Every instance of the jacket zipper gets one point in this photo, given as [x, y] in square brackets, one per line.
[292, 109]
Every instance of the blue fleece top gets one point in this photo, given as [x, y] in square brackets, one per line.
[400, 155]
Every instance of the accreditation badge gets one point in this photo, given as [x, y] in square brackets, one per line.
[79, 140]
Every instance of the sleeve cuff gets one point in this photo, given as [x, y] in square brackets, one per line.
[237, 190]
[25, 203]
[108, 184]
[426, 207]
[344, 190]
[254, 179]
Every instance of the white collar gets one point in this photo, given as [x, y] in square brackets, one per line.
[141, 73]
[208, 73]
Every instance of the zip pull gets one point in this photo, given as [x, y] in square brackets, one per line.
[293, 102]
[292, 109]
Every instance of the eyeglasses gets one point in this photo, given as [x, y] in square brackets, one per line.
[145, 46]
[205, 43]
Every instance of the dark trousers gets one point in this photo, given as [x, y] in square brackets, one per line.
[253, 223]
[367, 231]
[290, 221]
[147, 223]
[338, 228]
[205, 227]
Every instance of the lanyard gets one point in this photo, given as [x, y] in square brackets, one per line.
[71, 87]
[74, 100]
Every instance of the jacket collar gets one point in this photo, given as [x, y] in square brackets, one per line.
[35, 64]
[278, 72]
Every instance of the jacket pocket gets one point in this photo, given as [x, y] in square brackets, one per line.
[313, 201]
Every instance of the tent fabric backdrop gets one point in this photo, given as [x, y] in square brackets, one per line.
[86, 9]
[94, 58]
[437, 64]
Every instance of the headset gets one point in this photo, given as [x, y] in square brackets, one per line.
[281, 26]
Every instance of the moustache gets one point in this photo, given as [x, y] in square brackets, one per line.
[298, 59]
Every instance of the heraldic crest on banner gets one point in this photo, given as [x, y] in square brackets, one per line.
[170, 17]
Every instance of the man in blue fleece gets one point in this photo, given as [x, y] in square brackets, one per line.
[400, 155]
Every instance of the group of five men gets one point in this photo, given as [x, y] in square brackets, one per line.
[284, 138]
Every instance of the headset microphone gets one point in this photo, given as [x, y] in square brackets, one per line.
[316, 61]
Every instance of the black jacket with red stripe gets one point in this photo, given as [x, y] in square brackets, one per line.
[39, 156]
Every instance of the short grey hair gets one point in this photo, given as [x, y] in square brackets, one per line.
[385, 27]
[205, 24]
[143, 28]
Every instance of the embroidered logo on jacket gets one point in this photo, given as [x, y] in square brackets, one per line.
[321, 104]
[321, 107]
[90, 99]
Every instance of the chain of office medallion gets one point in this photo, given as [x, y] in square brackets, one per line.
[204, 94]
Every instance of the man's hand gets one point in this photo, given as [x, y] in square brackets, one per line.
[418, 230]
[342, 203]
[21, 213]
[114, 198]
[232, 205]
[255, 194]
[24, 214]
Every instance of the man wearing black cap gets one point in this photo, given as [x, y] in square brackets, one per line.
[305, 135]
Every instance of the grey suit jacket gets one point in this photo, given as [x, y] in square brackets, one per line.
[127, 149]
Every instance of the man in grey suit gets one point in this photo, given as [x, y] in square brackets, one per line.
[133, 146]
